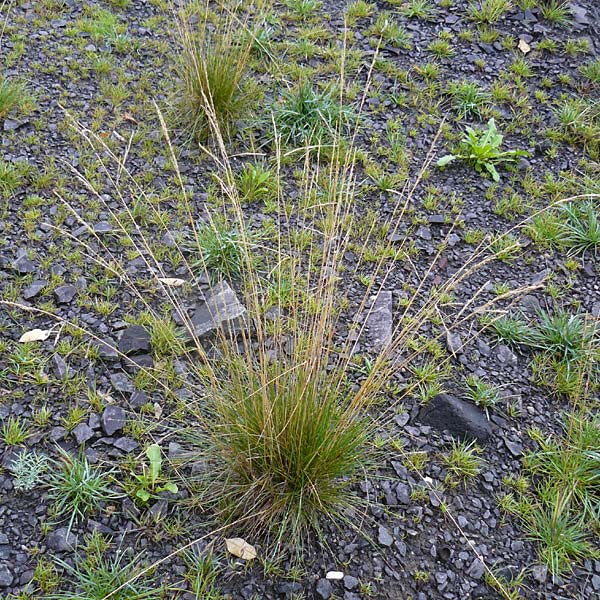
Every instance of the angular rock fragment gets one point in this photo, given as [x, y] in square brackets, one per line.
[34, 289]
[134, 340]
[113, 419]
[379, 325]
[64, 294]
[220, 310]
[462, 419]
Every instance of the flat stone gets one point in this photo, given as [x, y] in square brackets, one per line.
[462, 419]
[125, 444]
[220, 310]
[64, 294]
[6, 576]
[122, 383]
[134, 340]
[34, 289]
[107, 350]
[384, 537]
[454, 342]
[515, 448]
[113, 419]
[379, 325]
[540, 574]
[403, 493]
[424, 233]
[23, 265]
[82, 433]
[103, 227]
[476, 569]
[324, 589]
[61, 540]
[59, 367]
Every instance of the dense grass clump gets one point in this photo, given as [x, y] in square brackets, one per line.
[290, 443]
[212, 73]
[561, 511]
[77, 488]
[307, 116]
[97, 577]
[11, 94]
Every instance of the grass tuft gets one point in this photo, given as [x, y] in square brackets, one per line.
[212, 74]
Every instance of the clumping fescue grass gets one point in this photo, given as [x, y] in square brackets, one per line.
[14, 431]
[579, 121]
[468, 98]
[10, 179]
[579, 227]
[571, 337]
[482, 393]
[591, 71]
[202, 574]
[221, 251]
[488, 11]
[212, 72]
[567, 345]
[556, 11]
[291, 445]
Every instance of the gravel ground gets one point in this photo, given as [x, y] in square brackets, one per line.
[421, 539]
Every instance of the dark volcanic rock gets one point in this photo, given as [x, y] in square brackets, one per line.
[324, 589]
[6, 576]
[34, 289]
[107, 350]
[24, 265]
[82, 433]
[460, 418]
[121, 383]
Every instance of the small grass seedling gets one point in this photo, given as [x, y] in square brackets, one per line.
[462, 461]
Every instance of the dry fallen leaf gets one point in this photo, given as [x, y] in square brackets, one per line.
[172, 281]
[129, 117]
[35, 335]
[240, 548]
[524, 47]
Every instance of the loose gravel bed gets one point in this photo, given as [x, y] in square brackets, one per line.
[420, 538]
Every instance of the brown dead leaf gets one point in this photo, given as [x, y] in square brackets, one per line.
[129, 117]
